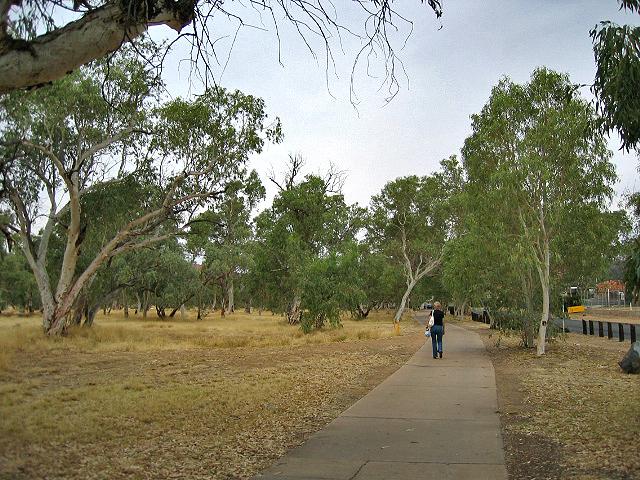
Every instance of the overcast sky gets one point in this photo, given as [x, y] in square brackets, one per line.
[451, 66]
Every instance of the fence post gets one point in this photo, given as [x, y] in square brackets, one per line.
[584, 327]
[600, 329]
[620, 333]
[590, 327]
[632, 330]
[609, 331]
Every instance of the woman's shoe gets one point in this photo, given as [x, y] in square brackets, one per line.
[440, 354]
[435, 356]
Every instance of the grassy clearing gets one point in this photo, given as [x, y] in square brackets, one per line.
[115, 332]
[569, 414]
[220, 398]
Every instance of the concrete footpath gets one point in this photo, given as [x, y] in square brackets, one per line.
[431, 419]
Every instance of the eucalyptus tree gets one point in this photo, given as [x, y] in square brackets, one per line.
[44, 40]
[484, 263]
[485, 266]
[299, 244]
[617, 81]
[104, 208]
[222, 234]
[373, 281]
[541, 167]
[411, 220]
[86, 131]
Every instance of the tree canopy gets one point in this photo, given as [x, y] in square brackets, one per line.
[617, 81]
[302, 257]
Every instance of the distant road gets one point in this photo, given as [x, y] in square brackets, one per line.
[575, 326]
[605, 314]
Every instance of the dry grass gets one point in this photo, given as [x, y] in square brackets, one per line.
[115, 332]
[221, 398]
[569, 414]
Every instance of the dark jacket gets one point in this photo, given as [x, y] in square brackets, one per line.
[438, 317]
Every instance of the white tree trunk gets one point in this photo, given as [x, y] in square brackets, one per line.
[542, 331]
[462, 309]
[543, 270]
[403, 302]
[231, 303]
[71, 251]
[145, 304]
[46, 297]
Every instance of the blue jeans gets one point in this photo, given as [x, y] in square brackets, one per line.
[436, 338]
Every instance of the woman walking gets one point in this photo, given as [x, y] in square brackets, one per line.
[437, 330]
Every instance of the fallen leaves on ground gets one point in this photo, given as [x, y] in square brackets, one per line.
[570, 414]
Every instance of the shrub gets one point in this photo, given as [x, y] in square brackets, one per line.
[524, 322]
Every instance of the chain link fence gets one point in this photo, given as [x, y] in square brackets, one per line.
[604, 299]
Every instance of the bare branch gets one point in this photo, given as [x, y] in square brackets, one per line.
[334, 179]
[54, 158]
[27, 62]
[102, 145]
[296, 162]
[429, 267]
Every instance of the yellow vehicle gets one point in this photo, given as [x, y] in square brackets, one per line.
[576, 309]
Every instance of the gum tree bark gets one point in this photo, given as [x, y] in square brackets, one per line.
[98, 33]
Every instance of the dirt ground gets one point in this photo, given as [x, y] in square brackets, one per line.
[570, 414]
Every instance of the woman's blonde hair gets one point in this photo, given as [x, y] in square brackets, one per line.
[437, 305]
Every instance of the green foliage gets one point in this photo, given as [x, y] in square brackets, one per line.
[632, 273]
[617, 80]
[217, 131]
[477, 269]
[302, 252]
[325, 288]
[18, 288]
[374, 280]
[632, 260]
